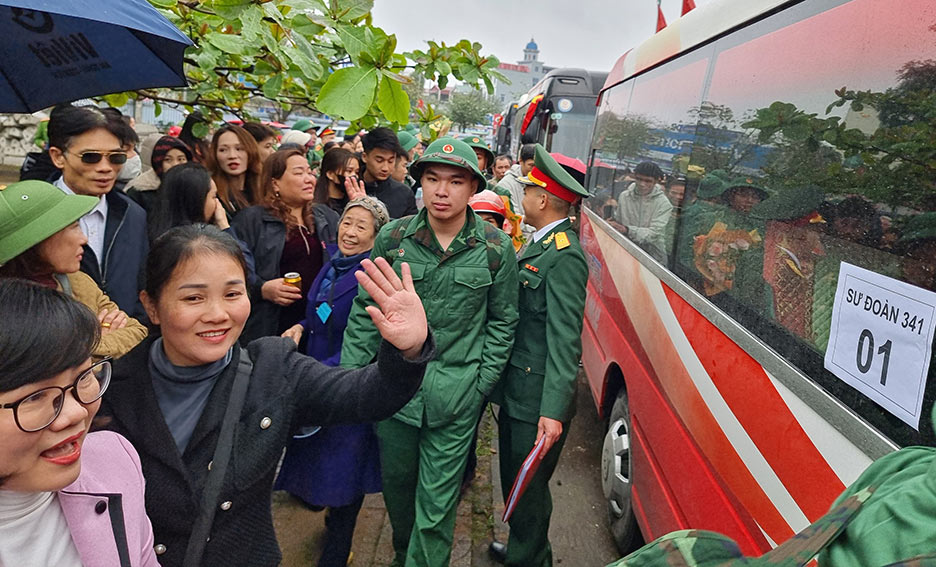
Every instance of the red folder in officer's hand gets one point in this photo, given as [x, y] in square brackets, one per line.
[524, 476]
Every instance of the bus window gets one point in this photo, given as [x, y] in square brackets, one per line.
[570, 124]
[814, 147]
[646, 143]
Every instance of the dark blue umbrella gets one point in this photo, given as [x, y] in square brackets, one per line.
[54, 51]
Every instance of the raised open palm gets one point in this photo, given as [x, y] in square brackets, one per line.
[399, 315]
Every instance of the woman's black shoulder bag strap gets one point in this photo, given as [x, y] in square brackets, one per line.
[219, 464]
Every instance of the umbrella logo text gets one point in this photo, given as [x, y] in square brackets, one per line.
[33, 20]
[73, 48]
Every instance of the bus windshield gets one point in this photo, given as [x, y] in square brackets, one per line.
[570, 125]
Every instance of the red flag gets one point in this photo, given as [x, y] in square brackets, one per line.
[661, 21]
[687, 5]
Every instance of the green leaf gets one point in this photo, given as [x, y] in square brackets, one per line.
[163, 3]
[353, 9]
[303, 25]
[200, 130]
[311, 69]
[227, 43]
[354, 39]
[250, 25]
[393, 101]
[348, 93]
[273, 87]
[117, 99]
[263, 67]
[207, 59]
[157, 109]
[443, 67]
[229, 9]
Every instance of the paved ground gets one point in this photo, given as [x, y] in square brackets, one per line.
[578, 533]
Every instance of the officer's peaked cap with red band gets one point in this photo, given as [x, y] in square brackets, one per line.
[548, 175]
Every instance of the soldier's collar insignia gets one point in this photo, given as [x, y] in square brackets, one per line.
[448, 148]
[401, 252]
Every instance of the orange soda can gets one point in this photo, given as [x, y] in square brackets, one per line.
[293, 279]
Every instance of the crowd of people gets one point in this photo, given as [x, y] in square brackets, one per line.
[168, 286]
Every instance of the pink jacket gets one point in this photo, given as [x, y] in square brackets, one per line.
[104, 507]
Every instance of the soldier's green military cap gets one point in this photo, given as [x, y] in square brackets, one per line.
[548, 175]
[919, 227]
[790, 203]
[739, 181]
[449, 151]
[478, 143]
[713, 184]
[411, 128]
[302, 125]
[407, 140]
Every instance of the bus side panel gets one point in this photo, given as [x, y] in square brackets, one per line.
[674, 485]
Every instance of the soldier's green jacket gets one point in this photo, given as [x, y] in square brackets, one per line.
[540, 378]
[472, 313]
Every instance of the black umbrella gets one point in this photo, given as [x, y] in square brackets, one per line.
[54, 51]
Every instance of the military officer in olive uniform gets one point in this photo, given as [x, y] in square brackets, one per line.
[537, 391]
[465, 273]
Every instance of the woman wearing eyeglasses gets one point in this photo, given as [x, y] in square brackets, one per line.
[86, 146]
[41, 240]
[67, 498]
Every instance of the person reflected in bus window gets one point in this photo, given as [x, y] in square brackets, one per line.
[855, 220]
[676, 191]
[643, 210]
[918, 244]
[501, 164]
[680, 197]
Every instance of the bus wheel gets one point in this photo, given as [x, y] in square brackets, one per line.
[616, 477]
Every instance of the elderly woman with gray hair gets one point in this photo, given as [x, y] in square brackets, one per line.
[336, 466]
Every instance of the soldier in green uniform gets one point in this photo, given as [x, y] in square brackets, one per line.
[464, 271]
[537, 390]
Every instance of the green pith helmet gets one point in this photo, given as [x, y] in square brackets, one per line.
[751, 182]
[407, 140]
[476, 142]
[412, 129]
[31, 211]
[713, 184]
[449, 151]
[790, 203]
[548, 175]
[302, 125]
[919, 227]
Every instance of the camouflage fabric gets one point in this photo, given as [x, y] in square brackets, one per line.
[699, 548]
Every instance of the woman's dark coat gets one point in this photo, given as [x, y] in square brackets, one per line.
[265, 235]
[287, 390]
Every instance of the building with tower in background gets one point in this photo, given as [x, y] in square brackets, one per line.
[523, 75]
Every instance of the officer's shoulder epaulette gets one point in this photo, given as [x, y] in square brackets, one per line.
[562, 240]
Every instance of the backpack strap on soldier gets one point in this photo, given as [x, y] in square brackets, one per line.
[396, 237]
[492, 242]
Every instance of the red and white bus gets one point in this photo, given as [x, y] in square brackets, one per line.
[795, 137]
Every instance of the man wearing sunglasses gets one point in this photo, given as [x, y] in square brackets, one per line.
[89, 149]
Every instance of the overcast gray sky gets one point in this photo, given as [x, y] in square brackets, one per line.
[570, 33]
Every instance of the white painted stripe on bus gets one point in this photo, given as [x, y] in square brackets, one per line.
[843, 457]
[758, 466]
